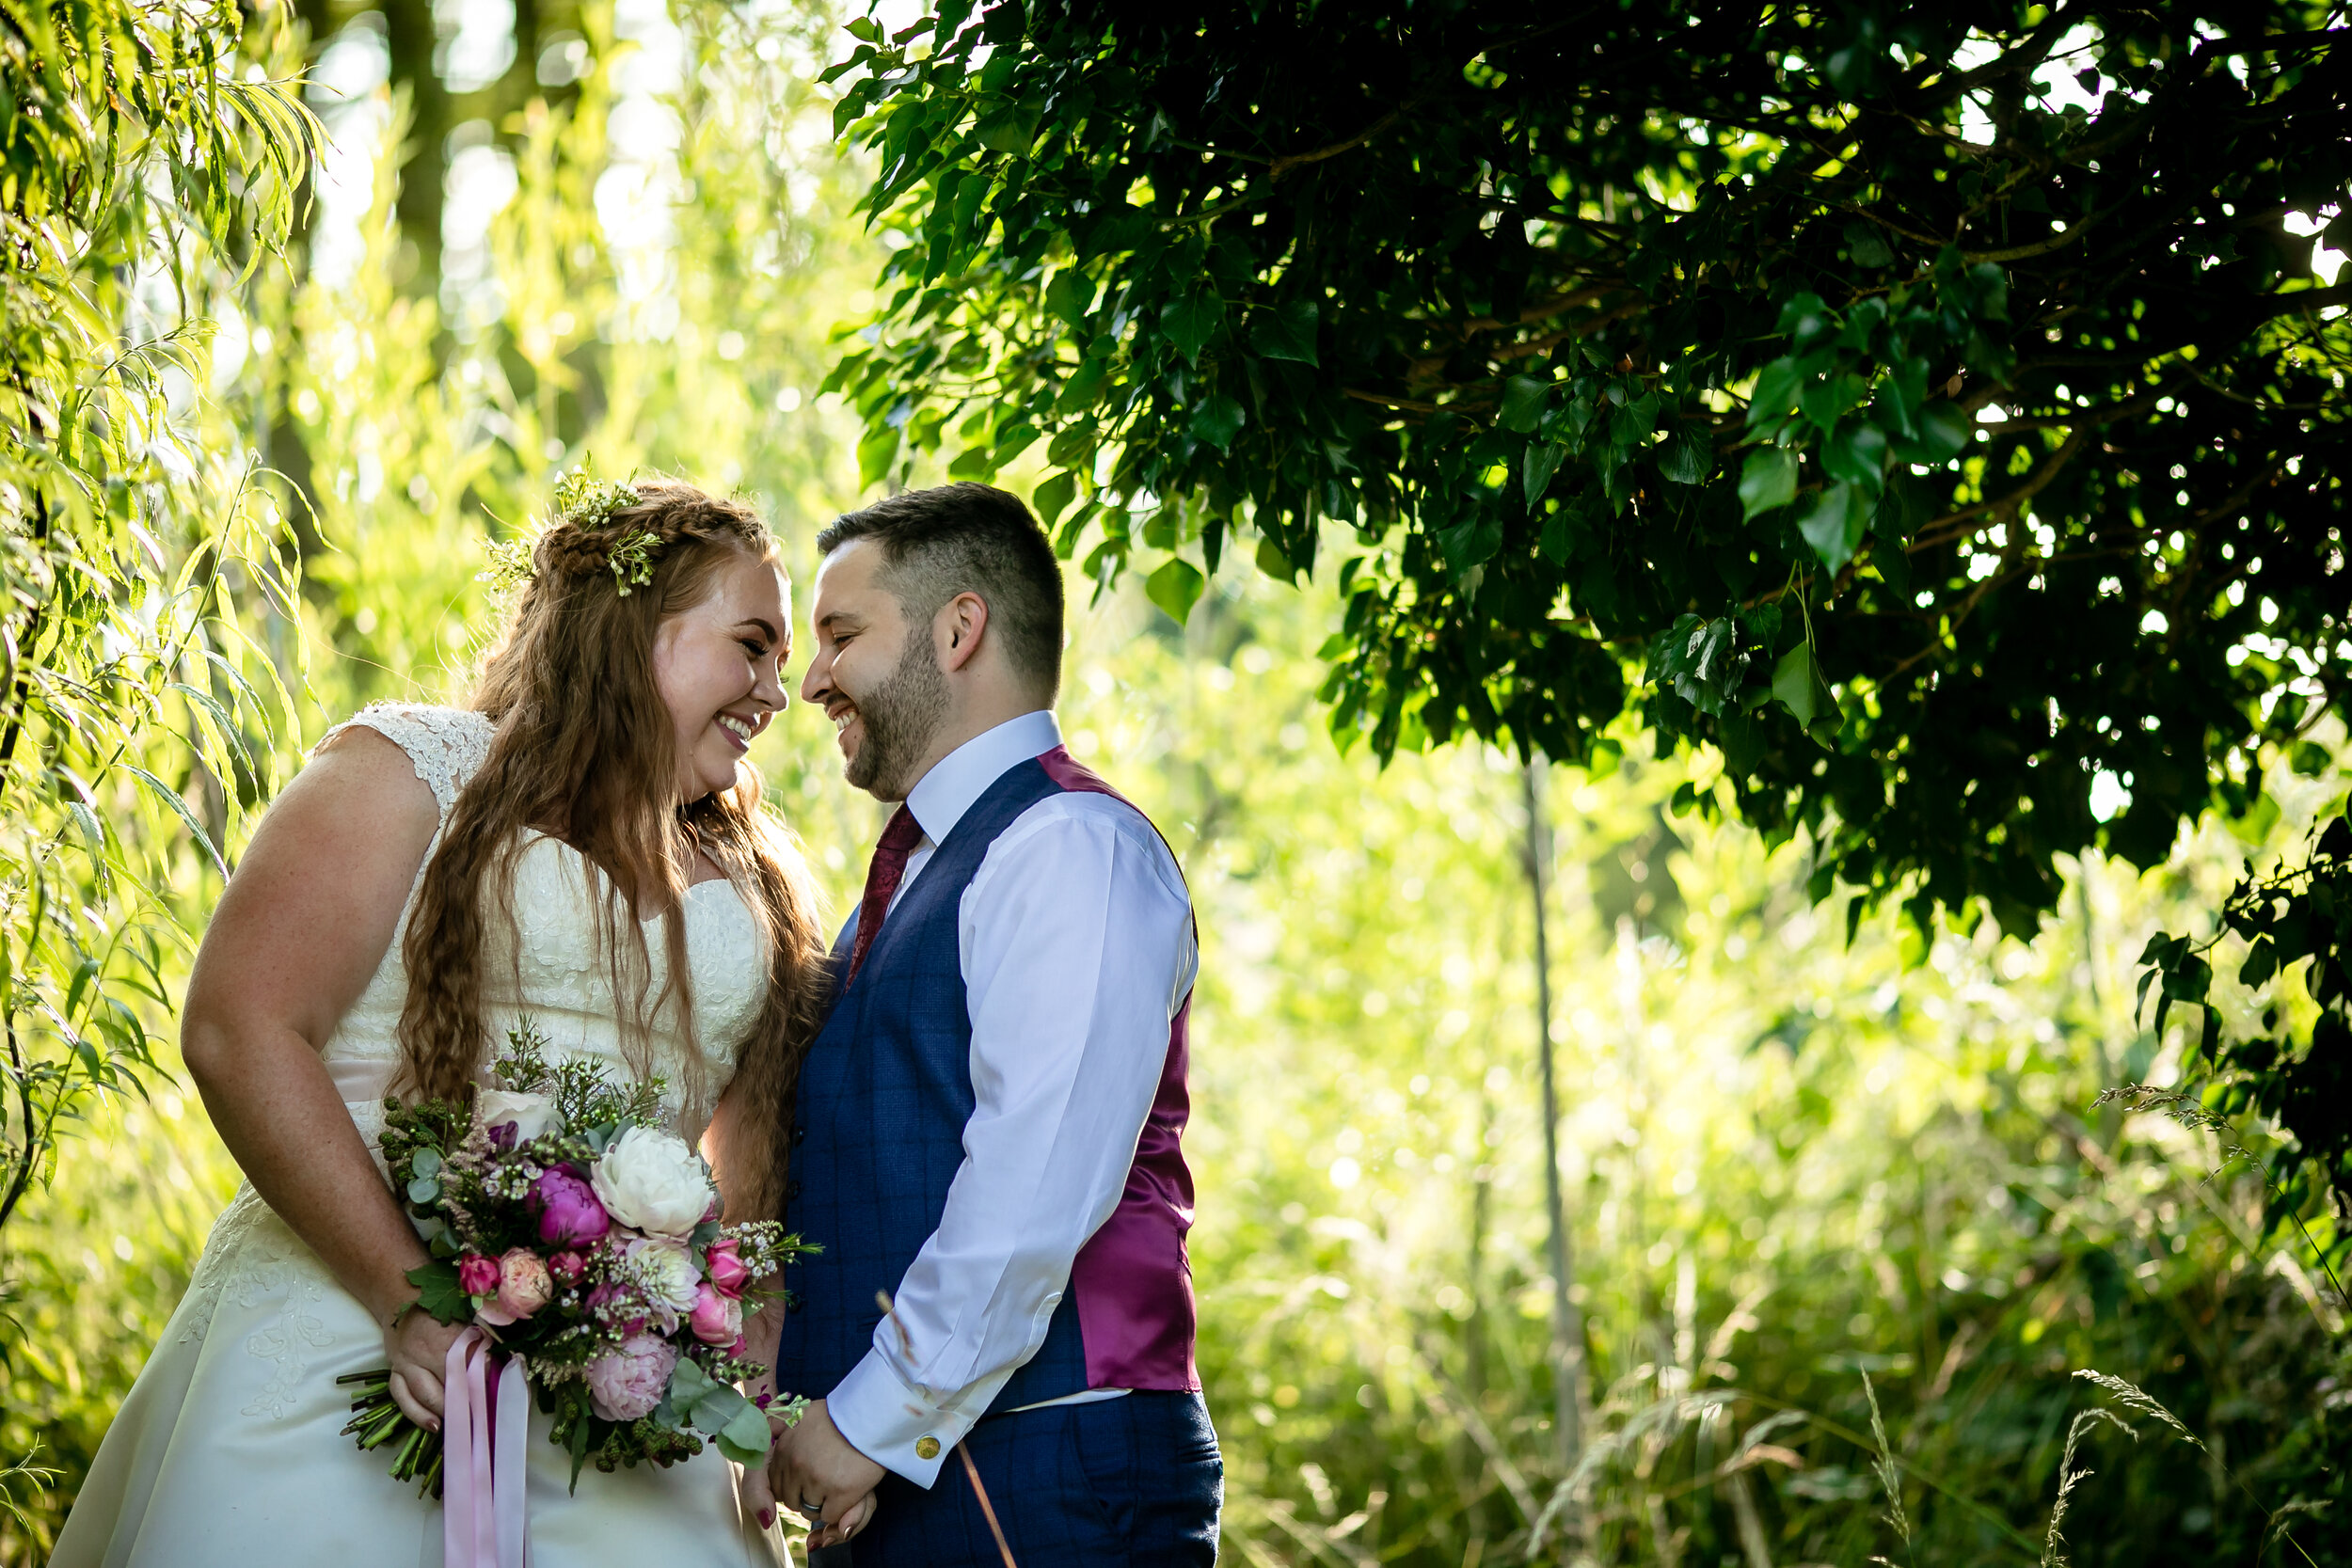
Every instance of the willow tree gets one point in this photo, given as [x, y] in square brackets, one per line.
[145, 167]
[1933, 409]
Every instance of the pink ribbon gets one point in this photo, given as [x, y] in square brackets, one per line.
[485, 1419]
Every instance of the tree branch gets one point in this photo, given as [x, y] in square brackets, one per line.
[1289, 161]
[1930, 537]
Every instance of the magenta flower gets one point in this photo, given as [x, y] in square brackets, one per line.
[625, 1384]
[569, 1213]
[477, 1275]
[729, 1275]
[567, 1267]
[716, 1320]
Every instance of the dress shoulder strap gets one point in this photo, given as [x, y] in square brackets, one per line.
[445, 745]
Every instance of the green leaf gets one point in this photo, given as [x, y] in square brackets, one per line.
[1856, 453]
[1523, 400]
[1866, 245]
[438, 1293]
[179, 808]
[1685, 458]
[1536, 470]
[1798, 686]
[1285, 331]
[877, 450]
[1767, 479]
[1191, 321]
[1776, 394]
[1053, 495]
[1944, 430]
[1218, 420]
[1175, 588]
[745, 1433]
[1833, 527]
[1071, 296]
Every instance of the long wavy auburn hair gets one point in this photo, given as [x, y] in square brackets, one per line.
[585, 752]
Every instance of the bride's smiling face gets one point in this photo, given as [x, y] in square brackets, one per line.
[717, 666]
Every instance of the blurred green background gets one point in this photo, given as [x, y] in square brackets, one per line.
[1792, 1159]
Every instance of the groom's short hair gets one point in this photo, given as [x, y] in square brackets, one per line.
[968, 538]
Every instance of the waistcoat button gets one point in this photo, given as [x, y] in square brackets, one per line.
[791, 1190]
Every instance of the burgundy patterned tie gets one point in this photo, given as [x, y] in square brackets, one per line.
[881, 879]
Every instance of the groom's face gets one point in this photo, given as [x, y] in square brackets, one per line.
[876, 674]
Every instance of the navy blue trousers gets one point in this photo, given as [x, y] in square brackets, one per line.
[1135, 1481]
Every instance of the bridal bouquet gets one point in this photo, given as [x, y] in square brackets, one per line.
[582, 1239]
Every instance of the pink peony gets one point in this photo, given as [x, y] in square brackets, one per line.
[477, 1275]
[716, 1320]
[728, 1275]
[625, 1384]
[567, 1267]
[569, 1213]
[523, 1288]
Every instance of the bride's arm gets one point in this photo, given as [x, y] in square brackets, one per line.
[298, 934]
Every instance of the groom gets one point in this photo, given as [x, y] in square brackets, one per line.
[986, 1131]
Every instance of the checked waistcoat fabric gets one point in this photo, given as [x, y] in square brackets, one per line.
[877, 1138]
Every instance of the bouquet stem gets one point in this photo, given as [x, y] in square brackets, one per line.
[377, 1420]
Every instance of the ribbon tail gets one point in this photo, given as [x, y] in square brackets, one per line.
[457, 1476]
[509, 1478]
[485, 1538]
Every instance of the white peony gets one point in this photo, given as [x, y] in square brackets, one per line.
[667, 1271]
[653, 1181]
[532, 1114]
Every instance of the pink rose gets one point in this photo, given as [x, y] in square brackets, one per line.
[567, 1267]
[477, 1275]
[728, 1274]
[523, 1288]
[569, 1213]
[627, 1383]
[716, 1320]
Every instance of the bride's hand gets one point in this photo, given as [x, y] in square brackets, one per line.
[419, 1348]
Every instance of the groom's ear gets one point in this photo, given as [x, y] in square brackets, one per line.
[960, 626]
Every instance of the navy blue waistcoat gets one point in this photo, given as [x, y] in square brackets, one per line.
[879, 1117]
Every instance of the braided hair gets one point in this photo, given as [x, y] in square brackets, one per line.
[584, 750]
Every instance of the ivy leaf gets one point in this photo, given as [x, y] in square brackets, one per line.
[1536, 470]
[1833, 527]
[1175, 588]
[1944, 430]
[1523, 399]
[1190, 320]
[1285, 331]
[1798, 686]
[1217, 421]
[875, 450]
[1685, 459]
[1856, 453]
[1053, 496]
[1767, 481]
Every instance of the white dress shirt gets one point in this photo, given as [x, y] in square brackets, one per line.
[1077, 943]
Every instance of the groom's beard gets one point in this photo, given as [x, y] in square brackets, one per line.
[899, 716]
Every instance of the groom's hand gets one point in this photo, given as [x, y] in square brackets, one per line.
[815, 1473]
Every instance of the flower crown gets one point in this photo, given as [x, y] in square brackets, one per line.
[586, 503]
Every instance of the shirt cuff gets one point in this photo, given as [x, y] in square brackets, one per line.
[901, 1428]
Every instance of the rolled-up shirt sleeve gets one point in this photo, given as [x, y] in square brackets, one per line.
[1077, 949]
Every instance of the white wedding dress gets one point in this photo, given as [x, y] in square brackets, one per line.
[226, 1452]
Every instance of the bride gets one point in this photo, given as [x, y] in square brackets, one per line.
[582, 845]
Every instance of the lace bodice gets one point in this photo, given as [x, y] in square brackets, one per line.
[547, 964]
